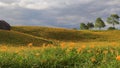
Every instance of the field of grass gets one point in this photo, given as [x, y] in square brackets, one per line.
[16, 38]
[66, 35]
[58, 34]
[73, 49]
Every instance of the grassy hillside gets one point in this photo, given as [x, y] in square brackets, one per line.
[69, 35]
[92, 49]
[57, 33]
[17, 38]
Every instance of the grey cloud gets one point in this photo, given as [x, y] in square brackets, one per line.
[63, 13]
[8, 1]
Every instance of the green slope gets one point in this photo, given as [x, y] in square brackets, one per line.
[17, 38]
[59, 34]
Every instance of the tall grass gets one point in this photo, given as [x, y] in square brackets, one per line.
[63, 56]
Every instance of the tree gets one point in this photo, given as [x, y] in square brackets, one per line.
[111, 28]
[90, 25]
[4, 25]
[113, 19]
[99, 23]
[83, 26]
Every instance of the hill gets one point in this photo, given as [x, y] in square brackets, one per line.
[17, 38]
[61, 34]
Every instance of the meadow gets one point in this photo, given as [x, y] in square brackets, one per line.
[59, 48]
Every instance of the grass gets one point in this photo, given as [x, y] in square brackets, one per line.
[17, 38]
[66, 35]
[58, 34]
[63, 56]
[75, 49]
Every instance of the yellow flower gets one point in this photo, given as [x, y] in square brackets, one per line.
[83, 47]
[114, 44]
[21, 48]
[30, 44]
[3, 48]
[72, 44]
[92, 46]
[118, 58]
[62, 45]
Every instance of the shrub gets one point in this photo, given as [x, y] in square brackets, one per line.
[4, 25]
[111, 28]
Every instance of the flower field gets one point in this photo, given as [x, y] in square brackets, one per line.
[66, 55]
[43, 47]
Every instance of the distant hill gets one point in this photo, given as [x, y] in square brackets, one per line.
[23, 35]
[59, 34]
[17, 38]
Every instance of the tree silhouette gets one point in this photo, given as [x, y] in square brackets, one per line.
[83, 26]
[99, 23]
[90, 25]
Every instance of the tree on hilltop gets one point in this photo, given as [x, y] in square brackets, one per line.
[99, 23]
[83, 26]
[113, 19]
[90, 25]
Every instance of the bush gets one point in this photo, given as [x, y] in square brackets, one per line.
[4, 25]
[111, 28]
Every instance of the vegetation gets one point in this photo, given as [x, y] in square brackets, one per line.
[113, 19]
[56, 34]
[17, 38]
[75, 49]
[83, 26]
[90, 25]
[66, 35]
[66, 55]
[111, 28]
[44, 47]
[4, 25]
[99, 23]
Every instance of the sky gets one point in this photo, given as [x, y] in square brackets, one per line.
[56, 13]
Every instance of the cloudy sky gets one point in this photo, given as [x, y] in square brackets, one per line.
[56, 13]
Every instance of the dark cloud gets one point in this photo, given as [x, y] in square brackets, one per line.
[64, 13]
